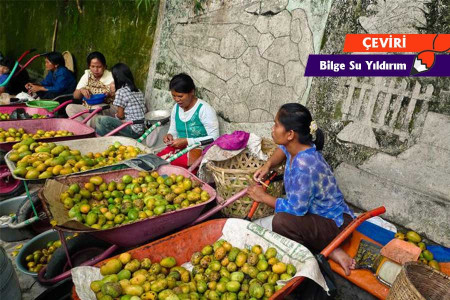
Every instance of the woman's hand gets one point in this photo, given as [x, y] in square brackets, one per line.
[35, 88]
[112, 89]
[86, 94]
[258, 194]
[261, 172]
[179, 143]
[168, 139]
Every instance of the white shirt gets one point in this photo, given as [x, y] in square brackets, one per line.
[106, 79]
[207, 115]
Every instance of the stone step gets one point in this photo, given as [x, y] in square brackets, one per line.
[425, 213]
[429, 175]
[433, 157]
[436, 131]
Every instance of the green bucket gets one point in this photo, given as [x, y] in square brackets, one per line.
[46, 104]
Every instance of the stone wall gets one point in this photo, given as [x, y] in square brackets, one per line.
[387, 138]
[117, 28]
[247, 57]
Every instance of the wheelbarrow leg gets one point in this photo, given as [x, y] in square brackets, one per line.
[63, 243]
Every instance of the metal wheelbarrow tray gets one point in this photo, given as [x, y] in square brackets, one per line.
[98, 144]
[136, 233]
[80, 130]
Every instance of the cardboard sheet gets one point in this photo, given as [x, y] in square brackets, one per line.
[51, 192]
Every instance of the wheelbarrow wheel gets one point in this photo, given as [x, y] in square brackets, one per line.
[9, 186]
[75, 248]
[25, 212]
[25, 208]
[2, 157]
[62, 291]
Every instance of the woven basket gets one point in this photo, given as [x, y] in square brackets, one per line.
[233, 175]
[417, 281]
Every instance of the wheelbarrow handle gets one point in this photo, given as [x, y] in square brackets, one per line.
[5, 174]
[4, 83]
[65, 96]
[189, 148]
[28, 62]
[94, 112]
[24, 223]
[79, 114]
[122, 126]
[148, 131]
[198, 161]
[350, 228]
[52, 113]
[195, 164]
[220, 206]
[256, 204]
[206, 142]
[26, 53]
[165, 121]
[91, 110]
[91, 115]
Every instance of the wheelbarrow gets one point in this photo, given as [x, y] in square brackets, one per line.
[143, 229]
[9, 184]
[33, 110]
[80, 131]
[129, 234]
[78, 142]
[209, 232]
[12, 185]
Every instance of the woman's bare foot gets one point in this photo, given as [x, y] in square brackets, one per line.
[343, 259]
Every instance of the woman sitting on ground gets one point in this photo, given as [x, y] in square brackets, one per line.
[59, 80]
[6, 66]
[17, 82]
[96, 80]
[314, 211]
[130, 104]
[192, 120]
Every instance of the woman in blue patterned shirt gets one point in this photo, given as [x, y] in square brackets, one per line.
[314, 211]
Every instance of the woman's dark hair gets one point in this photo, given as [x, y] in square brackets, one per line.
[7, 62]
[123, 77]
[296, 117]
[56, 58]
[96, 55]
[182, 83]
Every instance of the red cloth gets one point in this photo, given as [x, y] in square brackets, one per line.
[181, 161]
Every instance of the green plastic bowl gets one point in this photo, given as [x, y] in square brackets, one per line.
[46, 104]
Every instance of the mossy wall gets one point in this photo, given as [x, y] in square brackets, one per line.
[117, 28]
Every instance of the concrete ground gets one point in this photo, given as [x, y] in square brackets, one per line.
[29, 285]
